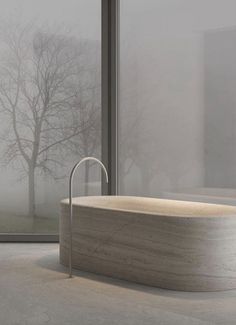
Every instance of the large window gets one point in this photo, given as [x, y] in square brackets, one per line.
[50, 107]
[176, 114]
[177, 111]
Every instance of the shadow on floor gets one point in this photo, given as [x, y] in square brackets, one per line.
[51, 262]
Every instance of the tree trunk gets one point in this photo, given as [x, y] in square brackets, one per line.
[145, 181]
[86, 178]
[31, 192]
[121, 184]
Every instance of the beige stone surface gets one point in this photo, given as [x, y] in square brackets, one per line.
[177, 245]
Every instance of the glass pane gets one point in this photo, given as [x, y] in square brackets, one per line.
[177, 109]
[50, 107]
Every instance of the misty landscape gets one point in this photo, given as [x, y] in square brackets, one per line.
[177, 98]
[50, 116]
[177, 104]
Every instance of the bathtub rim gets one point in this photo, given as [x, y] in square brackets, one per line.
[82, 202]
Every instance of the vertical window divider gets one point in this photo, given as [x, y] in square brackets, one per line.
[110, 90]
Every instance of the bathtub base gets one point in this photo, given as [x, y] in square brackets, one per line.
[187, 254]
[193, 284]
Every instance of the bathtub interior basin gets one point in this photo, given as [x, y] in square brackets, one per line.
[171, 244]
[214, 195]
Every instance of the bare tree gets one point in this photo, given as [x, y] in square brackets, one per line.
[88, 142]
[37, 71]
[130, 141]
[136, 144]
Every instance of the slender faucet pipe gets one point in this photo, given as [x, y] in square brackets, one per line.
[70, 201]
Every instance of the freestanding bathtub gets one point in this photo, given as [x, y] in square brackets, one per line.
[170, 244]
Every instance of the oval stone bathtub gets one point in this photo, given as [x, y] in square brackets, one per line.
[170, 244]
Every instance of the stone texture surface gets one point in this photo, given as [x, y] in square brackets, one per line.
[35, 290]
[176, 245]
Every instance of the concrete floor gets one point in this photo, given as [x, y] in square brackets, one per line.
[35, 290]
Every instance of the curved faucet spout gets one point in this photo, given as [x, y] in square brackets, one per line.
[70, 200]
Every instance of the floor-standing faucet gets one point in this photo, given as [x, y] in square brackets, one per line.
[70, 201]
